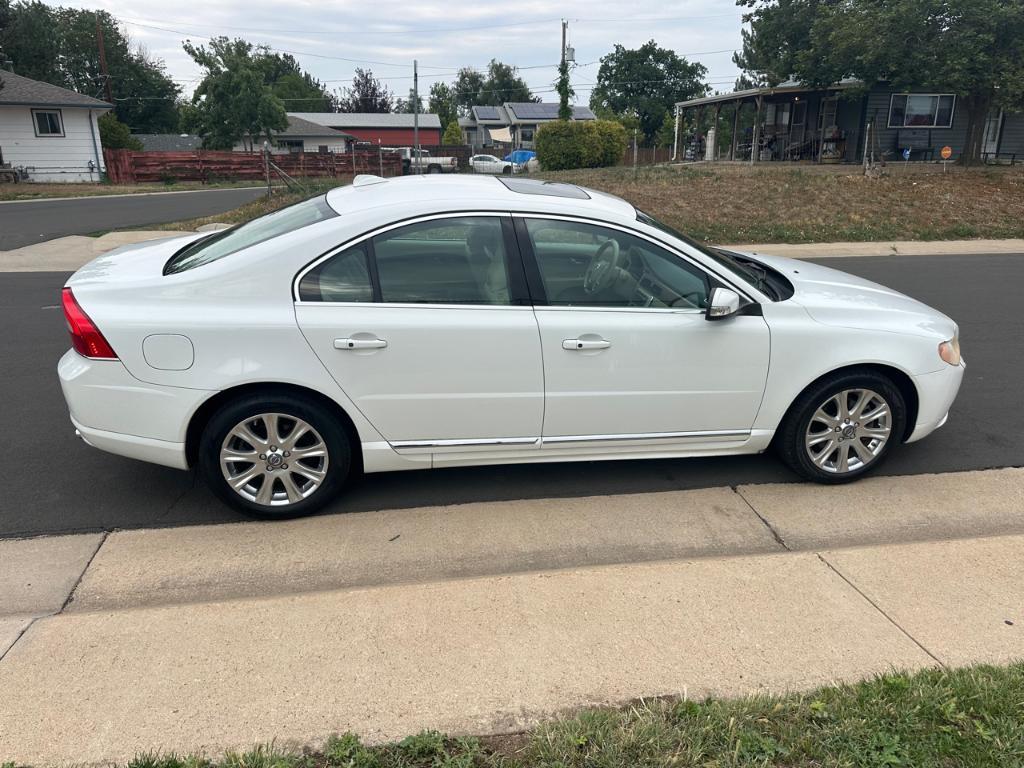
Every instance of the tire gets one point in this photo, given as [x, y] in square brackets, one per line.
[814, 435]
[506, 170]
[434, 169]
[299, 488]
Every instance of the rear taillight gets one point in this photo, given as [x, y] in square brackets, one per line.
[85, 336]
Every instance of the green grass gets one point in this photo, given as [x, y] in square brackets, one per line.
[971, 717]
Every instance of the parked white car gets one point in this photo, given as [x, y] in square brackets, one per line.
[451, 321]
[490, 164]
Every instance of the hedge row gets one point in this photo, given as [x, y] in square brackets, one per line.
[568, 144]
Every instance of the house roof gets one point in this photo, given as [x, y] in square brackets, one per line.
[529, 112]
[168, 142]
[789, 86]
[368, 119]
[298, 126]
[22, 91]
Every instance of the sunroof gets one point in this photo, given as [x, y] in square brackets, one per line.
[536, 187]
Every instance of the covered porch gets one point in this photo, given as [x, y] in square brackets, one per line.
[790, 122]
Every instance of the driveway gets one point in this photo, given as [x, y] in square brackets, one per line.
[58, 484]
[33, 221]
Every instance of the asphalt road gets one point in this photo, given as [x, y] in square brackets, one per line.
[52, 482]
[28, 222]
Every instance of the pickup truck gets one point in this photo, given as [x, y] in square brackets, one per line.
[425, 162]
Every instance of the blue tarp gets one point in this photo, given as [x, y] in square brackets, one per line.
[520, 156]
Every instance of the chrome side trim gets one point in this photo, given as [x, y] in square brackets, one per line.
[462, 443]
[708, 434]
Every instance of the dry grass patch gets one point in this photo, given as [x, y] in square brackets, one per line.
[740, 204]
[41, 191]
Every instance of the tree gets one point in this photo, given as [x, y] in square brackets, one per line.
[647, 82]
[452, 134]
[973, 48]
[297, 89]
[232, 102]
[778, 33]
[367, 94]
[442, 102]
[502, 83]
[565, 91]
[115, 135]
[59, 45]
[406, 105]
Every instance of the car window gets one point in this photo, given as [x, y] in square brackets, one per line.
[445, 261]
[343, 277]
[593, 266]
[259, 230]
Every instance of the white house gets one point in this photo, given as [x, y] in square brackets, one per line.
[50, 131]
[301, 136]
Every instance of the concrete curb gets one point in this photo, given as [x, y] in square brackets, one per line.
[896, 248]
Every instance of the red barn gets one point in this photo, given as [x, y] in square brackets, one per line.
[386, 129]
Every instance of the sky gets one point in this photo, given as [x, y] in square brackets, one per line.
[330, 39]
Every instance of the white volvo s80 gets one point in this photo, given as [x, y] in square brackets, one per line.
[451, 321]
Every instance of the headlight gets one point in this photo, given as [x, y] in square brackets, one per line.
[949, 351]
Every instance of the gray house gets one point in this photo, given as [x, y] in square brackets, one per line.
[513, 124]
[792, 121]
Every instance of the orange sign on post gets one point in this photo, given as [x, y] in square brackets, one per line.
[946, 152]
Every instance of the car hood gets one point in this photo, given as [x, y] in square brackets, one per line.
[839, 299]
[131, 263]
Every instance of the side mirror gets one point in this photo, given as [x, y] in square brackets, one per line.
[722, 303]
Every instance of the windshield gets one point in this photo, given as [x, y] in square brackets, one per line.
[725, 259]
[259, 230]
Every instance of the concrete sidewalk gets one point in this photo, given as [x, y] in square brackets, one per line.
[217, 637]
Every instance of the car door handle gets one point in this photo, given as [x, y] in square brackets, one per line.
[360, 343]
[575, 344]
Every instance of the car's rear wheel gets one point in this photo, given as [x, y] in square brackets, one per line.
[843, 427]
[274, 457]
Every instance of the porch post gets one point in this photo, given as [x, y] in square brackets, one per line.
[718, 112]
[735, 128]
[754, 148]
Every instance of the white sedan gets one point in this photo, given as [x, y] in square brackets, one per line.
[452, 321]
[490, 164]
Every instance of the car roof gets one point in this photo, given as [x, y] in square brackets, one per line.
[437, 193]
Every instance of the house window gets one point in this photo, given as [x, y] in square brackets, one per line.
[921, 110]
[48, 122]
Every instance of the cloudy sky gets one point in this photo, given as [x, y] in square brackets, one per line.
[330, 39]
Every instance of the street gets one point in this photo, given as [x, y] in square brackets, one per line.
[33, 221]
[61, 485]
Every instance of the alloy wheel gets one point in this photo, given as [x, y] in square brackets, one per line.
[848, 431]
[274, 459]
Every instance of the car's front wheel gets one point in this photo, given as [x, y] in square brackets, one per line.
[274, 457]
[842, 427]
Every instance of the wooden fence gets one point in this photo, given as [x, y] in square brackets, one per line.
[125, 166]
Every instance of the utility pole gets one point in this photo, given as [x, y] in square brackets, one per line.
[103, 60]
[565, 26]
[417, 160]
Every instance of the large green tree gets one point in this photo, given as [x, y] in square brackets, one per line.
[296, 88]
[501, 83]
[646, 82]
[60, 46]
[232, 103]
[366, 94]
[974, 48]
[443, 103]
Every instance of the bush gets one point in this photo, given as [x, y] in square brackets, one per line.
[452, 134]
[115, 135]
[567, 144]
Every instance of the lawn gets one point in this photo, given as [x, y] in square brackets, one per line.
[965, 717]
[784, 204]
[33, 191]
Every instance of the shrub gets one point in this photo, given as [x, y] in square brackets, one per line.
[567, 144]
[115, 135]
[452, 134]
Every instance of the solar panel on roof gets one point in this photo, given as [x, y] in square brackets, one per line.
[486, 113]
[536, 111]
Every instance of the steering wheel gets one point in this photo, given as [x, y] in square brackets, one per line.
[603, 269]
